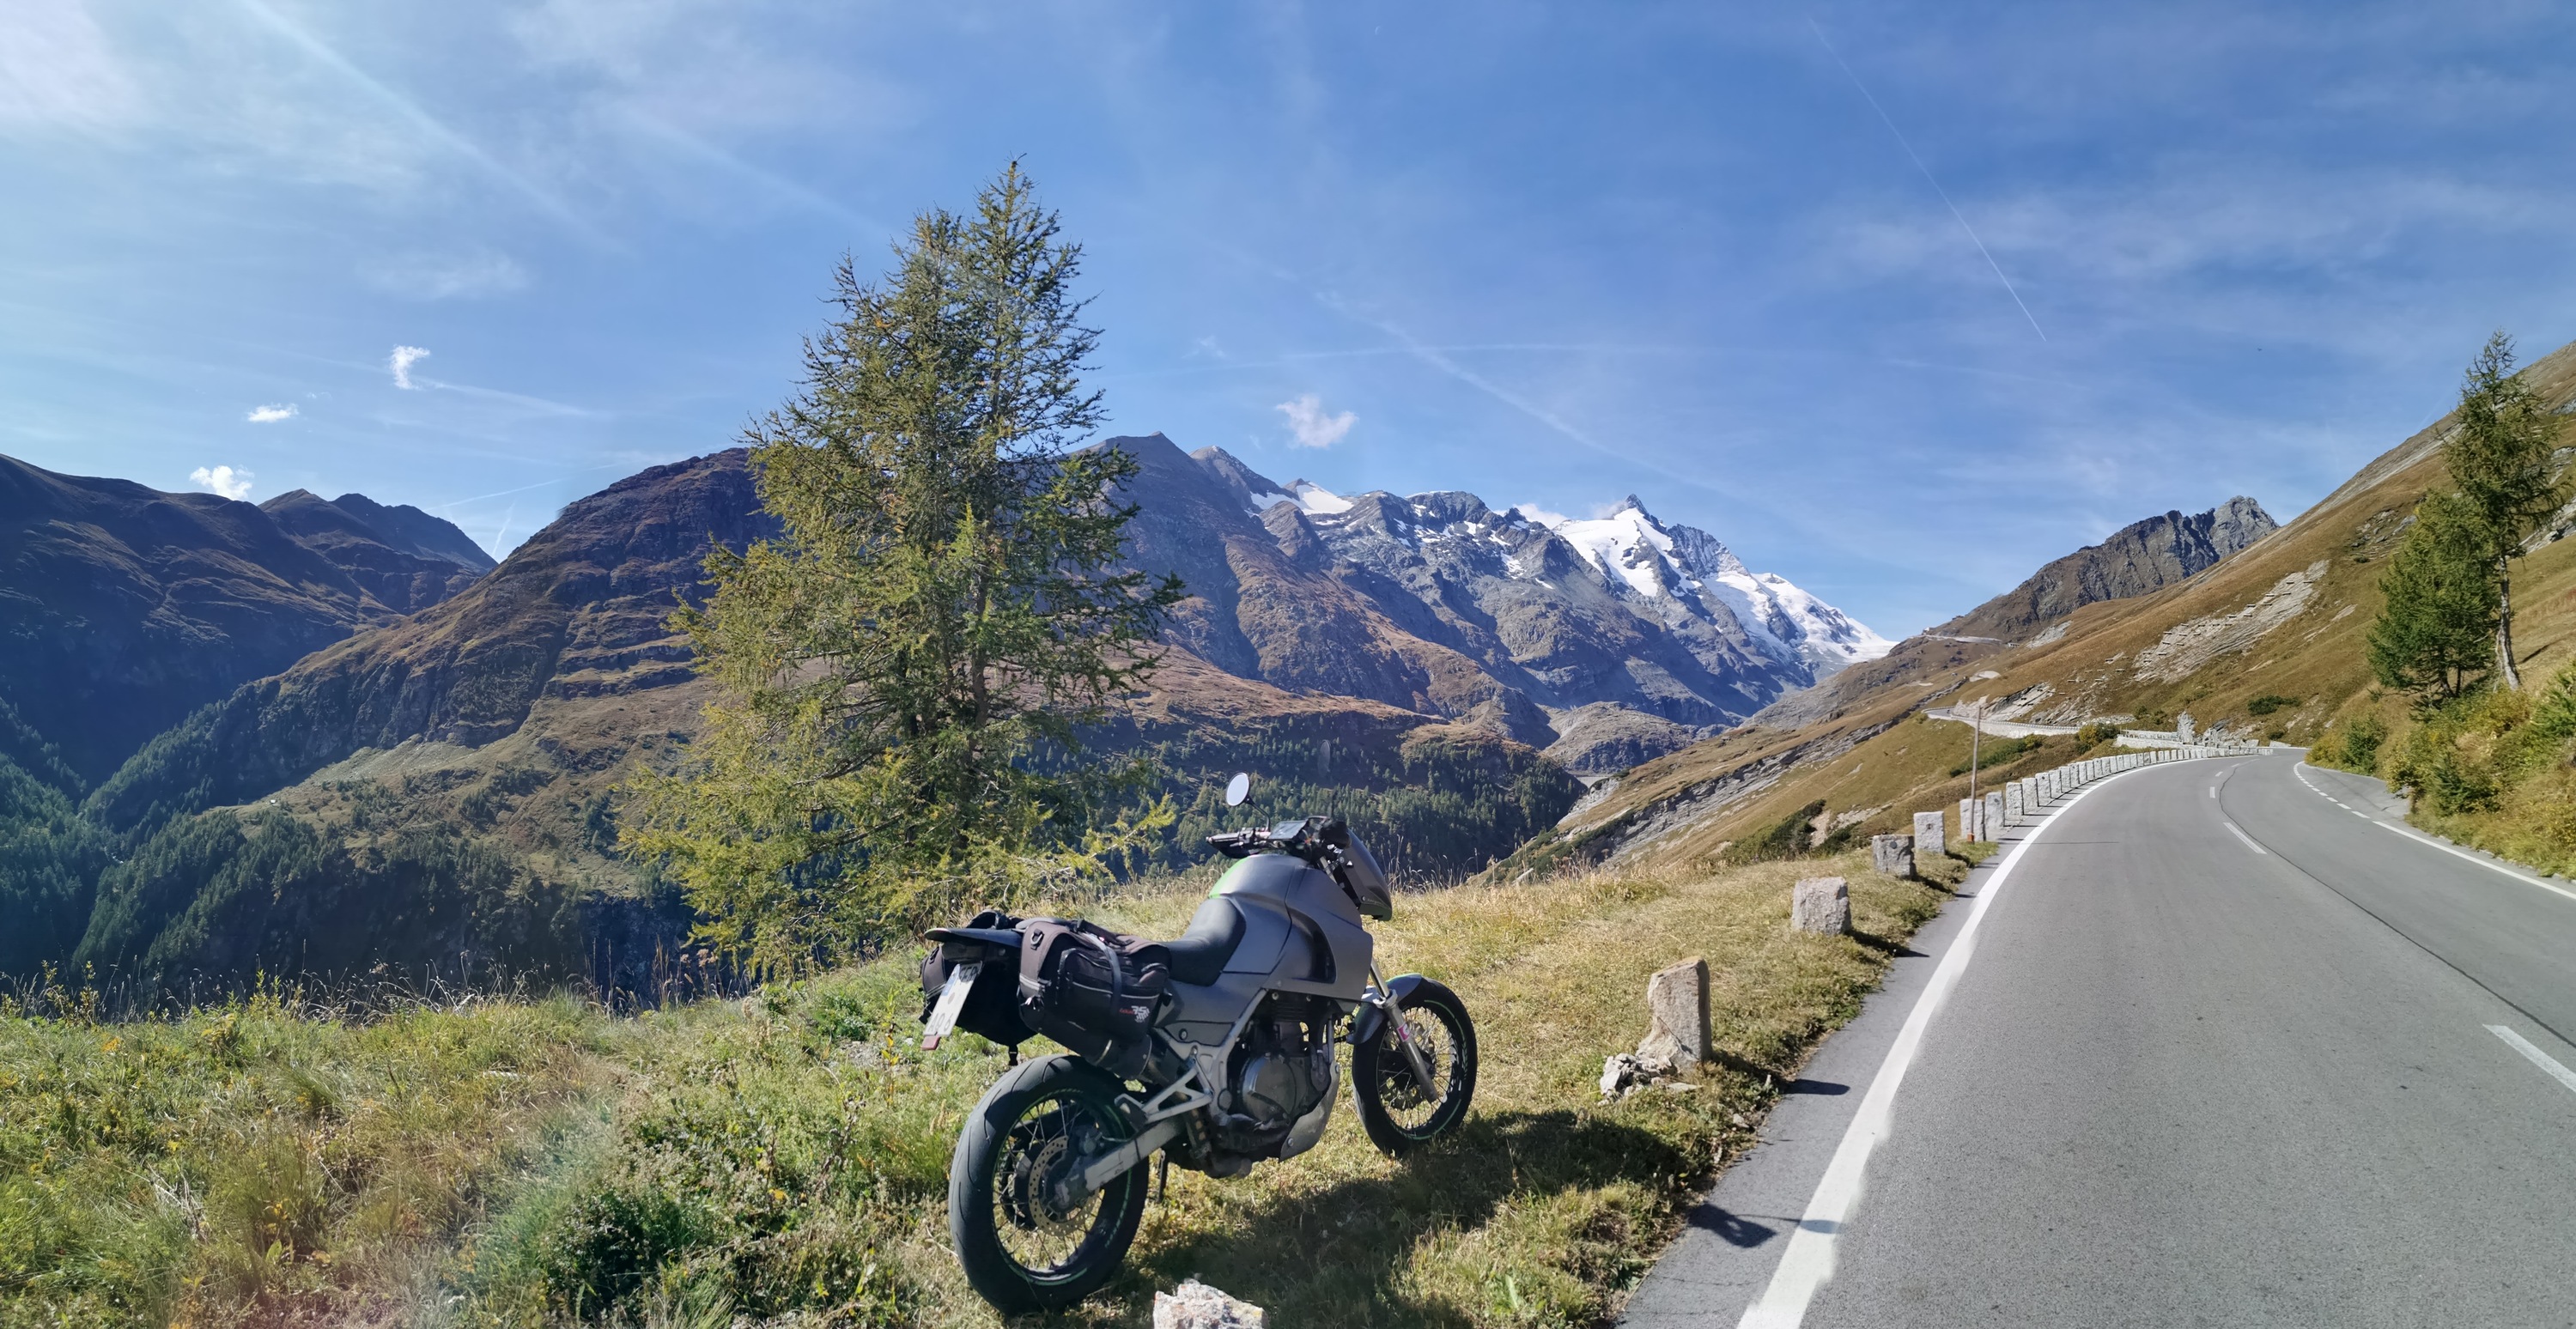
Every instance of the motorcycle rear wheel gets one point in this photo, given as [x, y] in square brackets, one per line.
[1400, 1112]
[1017, 1250]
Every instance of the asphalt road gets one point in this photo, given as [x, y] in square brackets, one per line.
[2223, 1052]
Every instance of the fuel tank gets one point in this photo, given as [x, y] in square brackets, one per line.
[1300, 927]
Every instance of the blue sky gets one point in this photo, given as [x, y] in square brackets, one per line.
[1898, 300]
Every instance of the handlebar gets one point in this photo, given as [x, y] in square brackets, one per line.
[1311, 839]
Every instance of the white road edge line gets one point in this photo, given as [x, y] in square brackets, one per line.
[1808, 1262]
[2412, 834]
[2249, 840]
[2538, 1058]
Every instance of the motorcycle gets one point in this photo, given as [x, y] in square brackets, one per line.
[1214, 1049]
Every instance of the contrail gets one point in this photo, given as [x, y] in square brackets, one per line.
[429, 125]
[673, 137]
[503, 493]
[1927, 175]
[1433, 356]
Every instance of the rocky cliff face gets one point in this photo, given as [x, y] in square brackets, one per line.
[123, 608]
[2141, 557]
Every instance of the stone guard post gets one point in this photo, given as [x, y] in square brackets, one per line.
[1993, 822]
[1892, 854]
[1927, 833]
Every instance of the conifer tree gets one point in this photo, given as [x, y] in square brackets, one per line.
[2501, 458]
[2435, 634]
[904, 673]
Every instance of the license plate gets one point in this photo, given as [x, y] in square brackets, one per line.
[952, 999]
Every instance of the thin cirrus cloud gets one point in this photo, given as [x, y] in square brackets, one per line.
[225, 480]
[1310, 427]
[271, 413]
[401, 361]
[56, 68]
[423, 276]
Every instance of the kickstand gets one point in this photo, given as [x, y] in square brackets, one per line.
[1015, 1056]
[1163, 1180]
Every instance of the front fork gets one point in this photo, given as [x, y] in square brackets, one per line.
[1403, 1033]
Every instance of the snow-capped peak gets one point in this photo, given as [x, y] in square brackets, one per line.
[1629, 544]
[1315, 500]
[1680, 563]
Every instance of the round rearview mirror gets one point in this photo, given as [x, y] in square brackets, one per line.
[1238, 789]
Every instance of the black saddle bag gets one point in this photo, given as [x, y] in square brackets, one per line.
[1093, 990]
[992, 1006]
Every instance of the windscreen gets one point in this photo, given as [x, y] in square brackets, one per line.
[1367, 881]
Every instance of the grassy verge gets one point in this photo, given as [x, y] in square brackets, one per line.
[783, 1160]
[2491, 770]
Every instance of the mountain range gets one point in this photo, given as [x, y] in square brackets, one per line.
[437, 777]
[439, 766]
[1603, 641]
[123, 608]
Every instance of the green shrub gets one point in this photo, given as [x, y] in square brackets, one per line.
[2094, 735]
[1785, 838]
[2358, 747]
[1996, 754]
[2268, 703]
[2553, 716]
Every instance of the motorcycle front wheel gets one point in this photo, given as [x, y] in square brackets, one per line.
[1398, 1107]
[1021, 1250]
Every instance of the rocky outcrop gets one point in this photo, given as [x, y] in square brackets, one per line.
[1605, 738]
[2144, 556]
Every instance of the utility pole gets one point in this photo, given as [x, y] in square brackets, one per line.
[1976, 731]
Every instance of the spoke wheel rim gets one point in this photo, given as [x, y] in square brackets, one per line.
[1408, 1103]
[1048, 1242]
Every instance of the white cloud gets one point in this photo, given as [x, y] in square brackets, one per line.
[222, 480]
[449, 276]
[271, 414]
[401, 361]
[1543, 516]
[1309, 425]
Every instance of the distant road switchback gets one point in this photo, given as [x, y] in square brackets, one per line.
[2218, 1043]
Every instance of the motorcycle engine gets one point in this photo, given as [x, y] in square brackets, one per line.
[1284, 1065]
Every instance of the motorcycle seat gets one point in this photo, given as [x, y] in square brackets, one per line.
[1199, 955]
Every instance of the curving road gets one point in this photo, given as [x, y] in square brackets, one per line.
[2217, 1043]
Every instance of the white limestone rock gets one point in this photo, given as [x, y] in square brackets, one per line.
[1195, 1305]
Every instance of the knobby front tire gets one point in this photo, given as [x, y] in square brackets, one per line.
[1400, 1112]
[1018, 1250]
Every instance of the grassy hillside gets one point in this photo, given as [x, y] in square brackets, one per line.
[2265, 644]
[545, 1163]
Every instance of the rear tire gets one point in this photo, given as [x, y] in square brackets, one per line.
[1399, 1111]
[1017, 1251]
